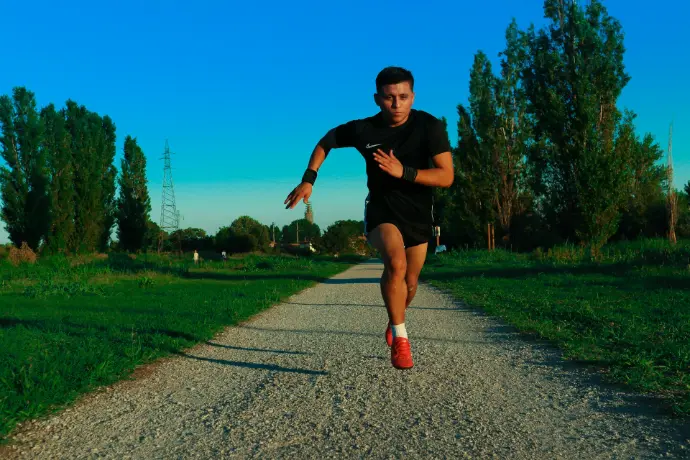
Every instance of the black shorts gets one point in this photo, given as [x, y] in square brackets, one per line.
[413, 233]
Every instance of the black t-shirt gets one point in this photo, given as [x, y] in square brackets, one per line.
[414, 143]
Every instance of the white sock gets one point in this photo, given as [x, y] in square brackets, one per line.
[399, 330]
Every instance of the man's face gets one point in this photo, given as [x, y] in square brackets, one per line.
[395, 102]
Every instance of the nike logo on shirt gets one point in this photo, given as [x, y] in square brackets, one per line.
[372, 145]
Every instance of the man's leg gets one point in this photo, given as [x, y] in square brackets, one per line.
[389, 242]
[415, 256]
[386, 238]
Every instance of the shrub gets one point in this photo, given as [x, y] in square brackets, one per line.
[24, 254]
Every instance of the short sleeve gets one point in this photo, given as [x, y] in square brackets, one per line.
[346, 134]
[437, 138]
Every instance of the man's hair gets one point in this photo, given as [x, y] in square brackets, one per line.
[392, 76]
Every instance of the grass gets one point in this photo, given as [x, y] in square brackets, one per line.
[627, 312]
[68, 326]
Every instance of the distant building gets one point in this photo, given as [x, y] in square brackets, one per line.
[309, 214]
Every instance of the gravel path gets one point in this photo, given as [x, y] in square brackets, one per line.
[311, 378]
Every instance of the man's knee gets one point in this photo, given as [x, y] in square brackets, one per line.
[397, 266]
[411, 282]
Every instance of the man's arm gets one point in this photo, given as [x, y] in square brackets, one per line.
[325, 145]
[318, 156]
[442, 175]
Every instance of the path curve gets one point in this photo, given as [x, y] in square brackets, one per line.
[311, 378]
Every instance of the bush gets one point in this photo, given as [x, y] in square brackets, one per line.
[244, 243]
[24, 254]
[529, 231]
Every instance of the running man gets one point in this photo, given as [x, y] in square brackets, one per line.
[407, 152]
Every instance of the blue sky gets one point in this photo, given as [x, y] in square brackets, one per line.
[244, 90]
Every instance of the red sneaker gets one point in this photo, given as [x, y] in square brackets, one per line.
[401, 355]
[389, 335]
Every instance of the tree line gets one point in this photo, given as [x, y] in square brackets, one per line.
[58, 187]
[544, 153]
[246, 234]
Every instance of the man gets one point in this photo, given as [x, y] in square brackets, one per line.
[407, 152]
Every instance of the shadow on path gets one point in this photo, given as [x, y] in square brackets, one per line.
[266, 350]
[248, 365]
[348, 333]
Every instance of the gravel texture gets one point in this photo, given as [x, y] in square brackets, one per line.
[311, 378]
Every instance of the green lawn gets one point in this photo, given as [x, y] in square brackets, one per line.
[628, 312]
[69, 326]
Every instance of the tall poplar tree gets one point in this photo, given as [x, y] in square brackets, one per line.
[513, 131]
[24, 182]
[134, 203]
[93, 150]
[475, 192]
[57, 142]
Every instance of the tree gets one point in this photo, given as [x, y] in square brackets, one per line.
[468, 205]
[645, 193]
[245, 226]
[513, 134]
[494, 134]
[249, 225]
[88, 218]
[191, 239]
[343, 236]
[60, 235]
[93, 150]
[686, 189]
[574, 76]
[307, 232]
[245, 234]
[683, 224]
[24, 182]
[134, 203]
[153, 232]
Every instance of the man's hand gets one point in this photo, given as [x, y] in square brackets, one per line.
[301, 192]
[389, 163]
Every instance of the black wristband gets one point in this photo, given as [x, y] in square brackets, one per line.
[309, 176]
[409, 173]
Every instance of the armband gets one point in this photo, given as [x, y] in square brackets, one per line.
[309, 176]
[409, 173]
